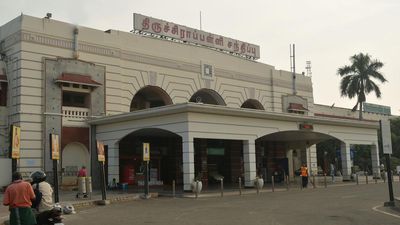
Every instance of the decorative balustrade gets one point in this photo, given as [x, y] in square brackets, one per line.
[75, 116]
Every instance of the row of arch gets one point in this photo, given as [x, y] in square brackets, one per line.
[153, 96]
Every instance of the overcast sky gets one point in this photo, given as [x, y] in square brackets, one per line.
[325, 32]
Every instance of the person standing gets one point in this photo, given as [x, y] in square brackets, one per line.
[18, 197]
[39, 183]
[304, 175]
[81, 181]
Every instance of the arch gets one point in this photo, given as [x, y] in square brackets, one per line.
[252, 104]
[75, 155]
[207, 96]
[165, 156]
[150, 97]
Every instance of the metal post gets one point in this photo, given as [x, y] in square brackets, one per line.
[389, 172]
[240, 186]
[273, 183]
[103, 182]
[222, 187]
[173, 188]
[197, 189]
[366, 178]
[55, 180]
[313, 181]
[146, 180]
[326, 185]
[287, 182]
[357, 179]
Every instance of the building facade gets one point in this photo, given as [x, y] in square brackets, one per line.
[206, 113]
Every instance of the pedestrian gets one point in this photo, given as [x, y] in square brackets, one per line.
[18, 197]
[39, 183]
[81, 181]
[332, 171]
[304, 175]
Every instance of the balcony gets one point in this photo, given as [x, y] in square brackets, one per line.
[75, 116]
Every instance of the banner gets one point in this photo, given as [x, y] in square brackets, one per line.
[15, 142]
[386, 136]
[100, 152]
[55, 147]
[146, 151]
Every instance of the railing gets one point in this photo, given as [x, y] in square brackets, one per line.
[75, 116]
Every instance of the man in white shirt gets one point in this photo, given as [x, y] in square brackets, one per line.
[39, 182]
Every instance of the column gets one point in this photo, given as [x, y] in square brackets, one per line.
[376, 171]
[346, 160]
[188, 162]
[249, 160]
[312, 160]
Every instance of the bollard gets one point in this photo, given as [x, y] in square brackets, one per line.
[313, 181]
[287, 182]
[258, 190]
[240, 186]
[273, 183]
[197, 188]
[357, 179]
[366, 178]
[81, 186]
[173, 188]
[222, 187]
[326, 185]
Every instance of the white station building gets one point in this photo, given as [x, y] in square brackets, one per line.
[202, 101]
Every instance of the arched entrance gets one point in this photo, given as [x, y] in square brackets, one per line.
[282, 153]
[165, 163]
[74, 156]
[252, 104]
[207, 96]
[150, 97]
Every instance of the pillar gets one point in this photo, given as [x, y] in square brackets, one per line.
[312, 160]
[249, 160]
[188, 162]
[346, 160]
[376, 171]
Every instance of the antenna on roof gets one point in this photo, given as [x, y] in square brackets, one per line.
[293, 67]
[200, 20]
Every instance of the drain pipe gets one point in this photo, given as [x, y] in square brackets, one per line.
[75, 54]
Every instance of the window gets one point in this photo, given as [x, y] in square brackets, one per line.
[3, 94]
[75, 99]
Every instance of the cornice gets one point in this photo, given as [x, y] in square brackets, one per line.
[28, 36]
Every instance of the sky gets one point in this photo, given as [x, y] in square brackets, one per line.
[325, 32]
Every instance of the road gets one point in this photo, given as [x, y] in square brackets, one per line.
[335, 205]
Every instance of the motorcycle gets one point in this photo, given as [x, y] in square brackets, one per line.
[50, 217]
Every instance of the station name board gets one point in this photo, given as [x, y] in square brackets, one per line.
[168, 29]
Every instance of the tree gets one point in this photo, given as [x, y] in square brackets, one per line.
[356, 78]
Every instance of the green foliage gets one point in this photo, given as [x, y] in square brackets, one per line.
[357, 78]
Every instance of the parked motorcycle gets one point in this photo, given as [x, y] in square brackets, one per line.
[50, 217]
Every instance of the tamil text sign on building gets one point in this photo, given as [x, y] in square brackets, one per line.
[379, 109]
[164, 28]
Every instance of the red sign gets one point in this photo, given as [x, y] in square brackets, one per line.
[305, 126]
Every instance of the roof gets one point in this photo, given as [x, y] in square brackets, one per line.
[77, 79]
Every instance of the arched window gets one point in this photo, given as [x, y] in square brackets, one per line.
[207, 96]
[252, 104]
[150, 97]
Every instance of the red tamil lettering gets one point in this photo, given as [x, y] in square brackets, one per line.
[182, 33]
[166, 28]
[175, 30]
[145, 24]
[156, 27]
[243, 48]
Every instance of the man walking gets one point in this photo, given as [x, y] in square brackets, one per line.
[18, 197]
[304, 175]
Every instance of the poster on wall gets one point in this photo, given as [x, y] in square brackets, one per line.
[100, 152]
[15, 142]
[55, 147]
[146, 151]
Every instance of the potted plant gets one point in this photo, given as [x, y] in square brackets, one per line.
[259, 182]
[197, 185]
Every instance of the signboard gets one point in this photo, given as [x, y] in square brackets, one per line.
[306, 126]
[168, 29]
[15, 142]
[386, 136]
[379, 109]
[100, 152]
[55, 147]
[146, 151]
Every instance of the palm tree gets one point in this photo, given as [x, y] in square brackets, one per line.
[356, 78]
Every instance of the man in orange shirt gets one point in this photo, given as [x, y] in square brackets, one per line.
[18, 197]
[304, 175]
